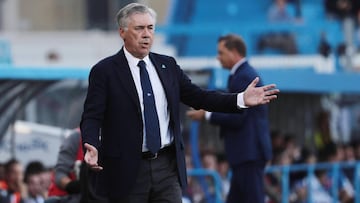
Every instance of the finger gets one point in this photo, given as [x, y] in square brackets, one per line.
[268, 87]
[96, 168]
[270, 97]
[92, 164]
[254, 82]
[87, 146]
[273, 91]
[90, 148]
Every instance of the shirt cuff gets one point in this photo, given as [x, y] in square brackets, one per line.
[240, 101]
[207, 115]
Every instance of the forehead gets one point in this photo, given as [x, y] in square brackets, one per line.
[16, 167]
[144, 19]
[34, 178]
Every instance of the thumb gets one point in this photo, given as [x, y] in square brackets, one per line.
[88, 147]
[254, 82]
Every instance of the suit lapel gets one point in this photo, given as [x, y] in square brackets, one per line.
[125, 76]
[165, 76]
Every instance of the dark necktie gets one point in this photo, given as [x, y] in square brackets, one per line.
[152, 128]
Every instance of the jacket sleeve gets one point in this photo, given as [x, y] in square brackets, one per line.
[94, 107]
[228, 120]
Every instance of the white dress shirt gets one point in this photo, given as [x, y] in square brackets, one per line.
[159, 95]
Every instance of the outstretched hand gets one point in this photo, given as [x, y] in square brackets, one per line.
[259, 95]
[196, 114]
[91, 157]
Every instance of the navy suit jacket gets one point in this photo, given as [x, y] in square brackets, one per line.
[246, 135]
[112, 110]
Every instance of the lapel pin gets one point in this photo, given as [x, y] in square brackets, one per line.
[163, 66]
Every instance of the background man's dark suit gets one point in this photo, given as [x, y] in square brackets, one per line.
[112, 109]
[246, 135]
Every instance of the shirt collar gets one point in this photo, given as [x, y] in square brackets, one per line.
[237, 65]
[133, 61]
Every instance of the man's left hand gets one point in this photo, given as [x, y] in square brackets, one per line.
[259, 95]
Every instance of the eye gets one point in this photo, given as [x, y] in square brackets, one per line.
[139, 28]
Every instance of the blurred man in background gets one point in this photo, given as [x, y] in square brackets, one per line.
[246, 135]
[12, 189]
[33, 181]
[65, 180]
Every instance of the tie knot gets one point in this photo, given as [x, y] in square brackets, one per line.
[141, 64]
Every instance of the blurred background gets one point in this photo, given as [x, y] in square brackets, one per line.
[311, 50]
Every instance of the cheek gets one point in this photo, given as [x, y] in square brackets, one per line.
[225, 62]
[221, 59]
[130, 37]
[136, 36]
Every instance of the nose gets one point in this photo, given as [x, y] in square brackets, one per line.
[147, 32]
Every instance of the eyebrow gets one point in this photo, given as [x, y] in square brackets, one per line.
[143, 26]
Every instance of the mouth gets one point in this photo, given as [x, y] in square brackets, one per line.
[145, 44]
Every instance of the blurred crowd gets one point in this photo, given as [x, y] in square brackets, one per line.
[287, 152]
[25, 184]
[31, 183]
[320, 149]
[36, 183]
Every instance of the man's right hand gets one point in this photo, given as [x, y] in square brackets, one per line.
[91, 157]
[196, 114]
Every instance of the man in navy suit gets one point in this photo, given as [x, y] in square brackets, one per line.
[246, 134]
[115, 122]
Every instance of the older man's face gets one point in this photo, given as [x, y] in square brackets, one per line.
[139, 35]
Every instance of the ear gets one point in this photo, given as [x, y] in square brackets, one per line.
[121, 32]
[236, 56]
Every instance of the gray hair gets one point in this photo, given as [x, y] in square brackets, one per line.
[122, 17]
